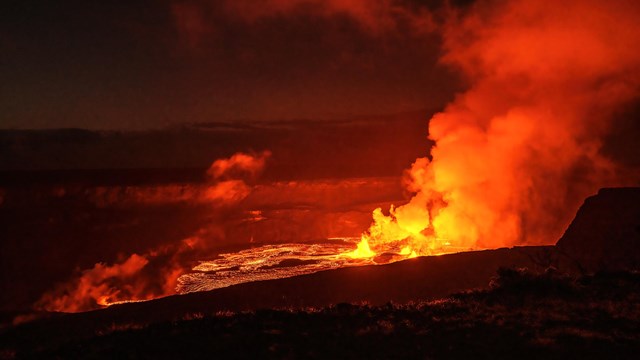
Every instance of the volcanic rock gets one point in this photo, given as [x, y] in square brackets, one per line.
[605, 234]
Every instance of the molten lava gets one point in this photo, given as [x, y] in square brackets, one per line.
[408, 231]
[271, 262]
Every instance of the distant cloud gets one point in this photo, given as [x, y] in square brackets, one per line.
[374, 16]
[196, 19]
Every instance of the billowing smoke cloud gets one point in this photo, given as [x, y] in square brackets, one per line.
[229, 182]
[518, 151]
[154, 273]
[239, 164]
[97, 285]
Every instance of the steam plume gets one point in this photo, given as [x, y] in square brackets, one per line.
[518, 151]
[155, 272]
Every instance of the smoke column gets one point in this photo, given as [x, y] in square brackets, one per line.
[520, 149]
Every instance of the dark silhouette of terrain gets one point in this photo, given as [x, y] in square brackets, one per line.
[605, 234]
[544, 302]
[521, 315]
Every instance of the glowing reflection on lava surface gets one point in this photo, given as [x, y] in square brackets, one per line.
[271, 262]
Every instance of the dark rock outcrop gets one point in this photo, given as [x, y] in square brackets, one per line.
[605, 234]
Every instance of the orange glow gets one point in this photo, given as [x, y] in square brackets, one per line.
[514, 154]
[93, 287]
[238, 165]
[517, 152]
[266, 262]
[363, 250]
[145, 277]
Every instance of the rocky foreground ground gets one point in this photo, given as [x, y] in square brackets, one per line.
[520, 315]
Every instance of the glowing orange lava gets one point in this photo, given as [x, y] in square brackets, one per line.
[422, 227]
[273, 262]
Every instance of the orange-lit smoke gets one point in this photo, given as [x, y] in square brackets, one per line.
[228, 183]
[238, 165]
[95, 286]
[155, 273]
[518, 151]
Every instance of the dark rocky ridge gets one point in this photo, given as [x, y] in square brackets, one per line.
[605, 234]
[419, 279]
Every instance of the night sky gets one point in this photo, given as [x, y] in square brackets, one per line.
[149, 64]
